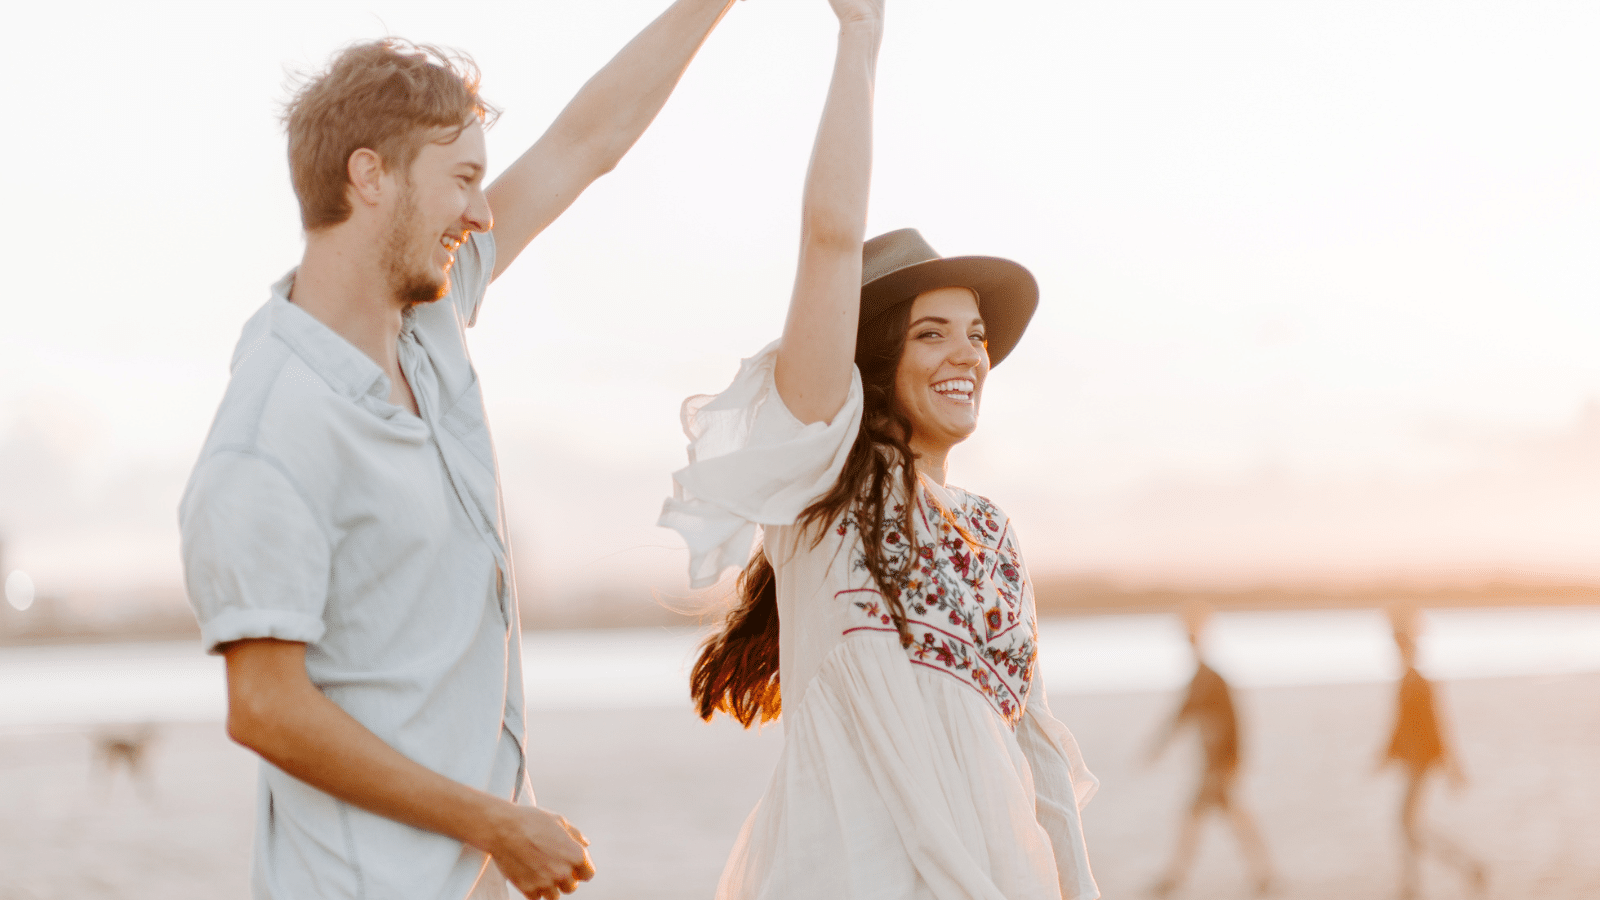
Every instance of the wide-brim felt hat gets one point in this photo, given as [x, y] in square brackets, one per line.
[899, 265]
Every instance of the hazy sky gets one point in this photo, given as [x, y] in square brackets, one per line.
[1321, 280]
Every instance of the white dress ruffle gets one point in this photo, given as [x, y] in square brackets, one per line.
[750, 463]
[906, 772]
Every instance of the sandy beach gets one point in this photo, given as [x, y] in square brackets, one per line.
[662, 797]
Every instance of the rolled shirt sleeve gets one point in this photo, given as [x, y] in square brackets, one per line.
[751, 462]
[256, 562]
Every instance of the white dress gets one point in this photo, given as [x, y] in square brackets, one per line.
[929, 771]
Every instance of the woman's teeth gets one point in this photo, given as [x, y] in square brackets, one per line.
[955, 389]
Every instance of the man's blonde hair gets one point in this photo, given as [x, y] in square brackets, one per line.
[385, 96]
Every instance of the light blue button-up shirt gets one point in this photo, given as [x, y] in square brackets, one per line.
[319, 512]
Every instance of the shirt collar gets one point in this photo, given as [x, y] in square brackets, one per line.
[345, 368]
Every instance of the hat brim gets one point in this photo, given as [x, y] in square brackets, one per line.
[1007, 294]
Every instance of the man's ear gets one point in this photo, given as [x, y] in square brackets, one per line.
[365, 171]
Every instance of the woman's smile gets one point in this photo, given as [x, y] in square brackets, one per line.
[955, 389]
[939, 380]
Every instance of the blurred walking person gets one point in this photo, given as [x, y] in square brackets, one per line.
[1208, 706]
[1418, 745]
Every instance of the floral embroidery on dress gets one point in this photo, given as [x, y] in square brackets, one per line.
[963, 599]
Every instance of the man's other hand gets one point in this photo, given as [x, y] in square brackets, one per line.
[539, 852]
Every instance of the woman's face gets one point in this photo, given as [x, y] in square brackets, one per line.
[939, 379]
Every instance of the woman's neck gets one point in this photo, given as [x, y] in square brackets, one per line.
[930, 463]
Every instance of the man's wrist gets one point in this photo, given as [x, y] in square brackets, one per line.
[489, 820]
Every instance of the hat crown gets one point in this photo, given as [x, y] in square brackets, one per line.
[893, 251]
[899, 266]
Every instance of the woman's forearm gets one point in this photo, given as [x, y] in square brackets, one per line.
[814, 362]
[834, 204]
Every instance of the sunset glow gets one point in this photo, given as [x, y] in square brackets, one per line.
[1318, 296]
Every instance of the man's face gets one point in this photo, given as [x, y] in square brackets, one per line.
[440, 200]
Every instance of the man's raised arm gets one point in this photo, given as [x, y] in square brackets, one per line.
[598, 126]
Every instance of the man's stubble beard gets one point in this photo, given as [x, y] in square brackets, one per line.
[408, 286]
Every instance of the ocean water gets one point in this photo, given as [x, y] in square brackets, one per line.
[174, 681]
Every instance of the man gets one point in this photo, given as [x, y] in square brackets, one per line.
[1208, 706]
[343, 537]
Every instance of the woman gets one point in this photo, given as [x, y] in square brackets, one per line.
[921, 760]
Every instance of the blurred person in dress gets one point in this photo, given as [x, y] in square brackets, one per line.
[1208, 707]
[1418, 746]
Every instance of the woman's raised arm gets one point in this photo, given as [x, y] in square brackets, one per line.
[819, 336]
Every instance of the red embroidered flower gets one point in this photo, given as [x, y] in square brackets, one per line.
[972, 597]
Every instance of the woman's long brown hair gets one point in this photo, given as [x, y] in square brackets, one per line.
[737, 672]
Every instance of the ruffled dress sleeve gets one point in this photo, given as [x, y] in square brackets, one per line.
[1062, 782]
[751, 462]
[1062, 785]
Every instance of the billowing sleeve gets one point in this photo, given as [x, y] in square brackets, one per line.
[256, 562]
[751, 462]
